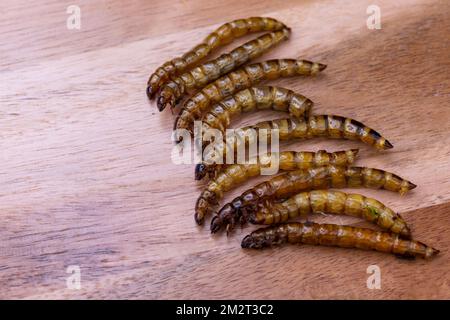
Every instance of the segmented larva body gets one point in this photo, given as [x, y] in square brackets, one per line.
[330, 126]
[236, 174]
[200, 76]
[333, 202]
[290, 183]
[338, 236]
[256, 98]
[219, 37]
[240, 79]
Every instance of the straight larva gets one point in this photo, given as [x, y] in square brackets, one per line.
[290, 183]
[240, 79]
[329, 202]
[197, 78]
[236, 174]
[330, 126]
[338, 236]
[219, 37]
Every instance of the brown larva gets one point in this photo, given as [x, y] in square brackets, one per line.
[173, 91]
[290, 183]
[235, 174]
[330, 126]
[237, 80]
[338, 236]
[219, 37]
[329, 202]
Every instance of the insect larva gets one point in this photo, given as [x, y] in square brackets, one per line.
[333, 202]
[256, 98]
[235, 174]
[338, 236]
[290, 183]
[330, 126]
[240, 79]
[200, 76]
[219, 37]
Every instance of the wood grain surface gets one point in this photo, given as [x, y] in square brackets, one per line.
[87, 178]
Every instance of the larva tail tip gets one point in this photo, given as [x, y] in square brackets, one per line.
[411, 185]
[355, 151]
[406, 234]
[322, 66]
[435, 251]
[388, 145]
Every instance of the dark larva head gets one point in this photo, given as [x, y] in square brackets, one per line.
[150, 92]
[202, 208]
[228, 215]
[165, 100]
[200, 171]
[250, 242]
[216, 224]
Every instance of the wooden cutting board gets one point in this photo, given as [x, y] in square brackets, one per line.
[87, 179]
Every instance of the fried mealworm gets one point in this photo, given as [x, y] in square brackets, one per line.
[256, 98]
[333, 202]
[290, 183]
[240, 79]
[197, 78]
[338, 236]
[235, 174]
[219, 37]
[330, 126]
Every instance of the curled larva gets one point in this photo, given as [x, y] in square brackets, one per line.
[329, 202]
[338, 236]
[237, 80]
[329, 126]
[235, 174]
[197, 78]
[219, 37]
[290, 183]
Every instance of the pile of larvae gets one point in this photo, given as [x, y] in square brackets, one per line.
[225, 87]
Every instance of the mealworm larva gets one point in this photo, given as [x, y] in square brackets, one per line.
[219, 37]
[236, 174]
[290, 183]
[333, 202]
[330, 126]
[197, 78]
[338, 236]
[240, 79]
[256, 98]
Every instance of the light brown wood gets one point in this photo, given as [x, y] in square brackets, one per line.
[86, 175]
